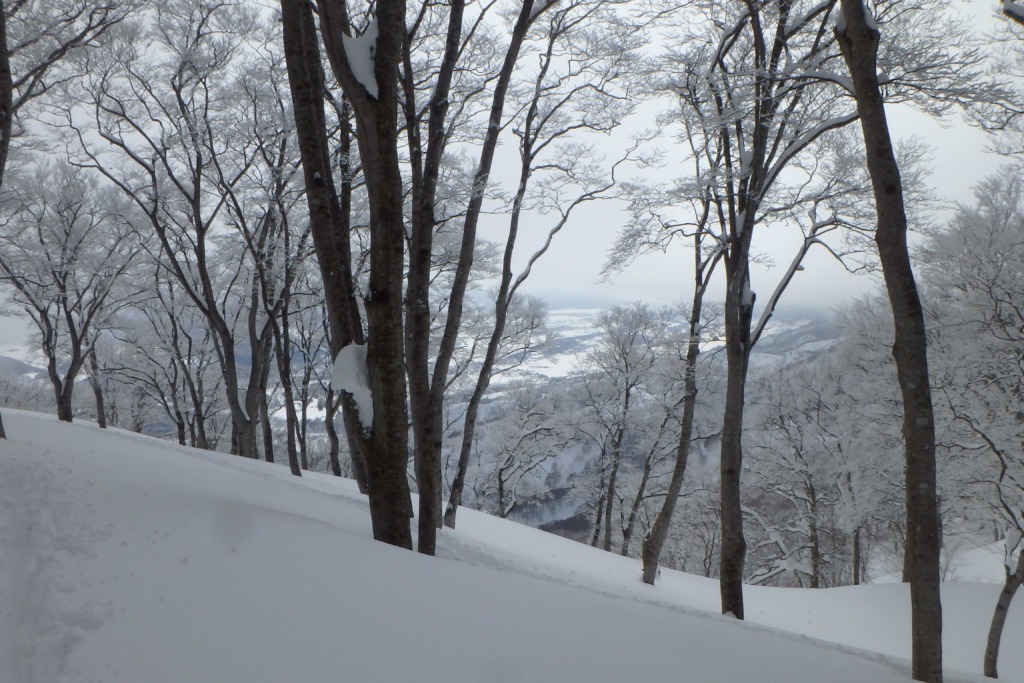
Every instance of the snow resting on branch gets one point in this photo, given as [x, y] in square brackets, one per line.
[869, 19]
[351, 376]
[359, 51]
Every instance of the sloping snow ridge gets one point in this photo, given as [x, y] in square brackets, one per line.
[124, 559]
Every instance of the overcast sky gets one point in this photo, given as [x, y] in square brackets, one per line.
[570, 274]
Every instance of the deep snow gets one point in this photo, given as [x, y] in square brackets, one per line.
[126, 559]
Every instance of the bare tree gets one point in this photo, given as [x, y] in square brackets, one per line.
[66, 247]
[36, 40]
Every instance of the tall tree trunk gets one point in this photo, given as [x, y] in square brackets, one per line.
[282, 351]
[739, 306]
[859, 43]
[426, 388]
[815, 539]
[655, 540]
[467, 250]
[97, 388]
[329, 222]
[856, 556]
[376, 115]
[995, 631]
[613, 475]
[645, 477]
[6, 114]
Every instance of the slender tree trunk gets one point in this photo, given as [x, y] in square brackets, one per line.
[97, 388]
[655, 540]
[856, 556]
[859, 43]
[645, 477]
[815, 542]
[332, 434]
[995, 631]
[284, 370]
[6, 114]
[613, 475]
[597, 522]
[468, 248]
[266, 428]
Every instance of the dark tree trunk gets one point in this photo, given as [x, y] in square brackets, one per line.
[995, 631]
[815, 540]
[6, 114]
[97, 388]
[282, 351]
[859, 43]
[332, 434]
[645, 477]
[376, 116]
[329, 223]
[739, 307]
[613, 475]
[856, 556]
[655, 540]
[64, 410]
[426, 388]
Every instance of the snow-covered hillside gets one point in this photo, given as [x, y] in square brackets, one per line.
[126, 559]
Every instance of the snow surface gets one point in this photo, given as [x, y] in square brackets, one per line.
[359, 51]
[127, 559]
[350, 374]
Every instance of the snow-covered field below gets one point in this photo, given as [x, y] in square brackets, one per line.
[126, 559]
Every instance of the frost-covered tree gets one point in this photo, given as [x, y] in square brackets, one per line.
[974, 273]
[175, 121]
[67, 244]
[39, 39]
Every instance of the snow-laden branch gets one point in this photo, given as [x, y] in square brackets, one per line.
[803, 141]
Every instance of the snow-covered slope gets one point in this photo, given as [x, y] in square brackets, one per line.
[125, 559]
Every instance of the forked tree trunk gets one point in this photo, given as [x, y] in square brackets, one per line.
[859, 43]
[376, 115]
[995, 631]
[329, 222]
